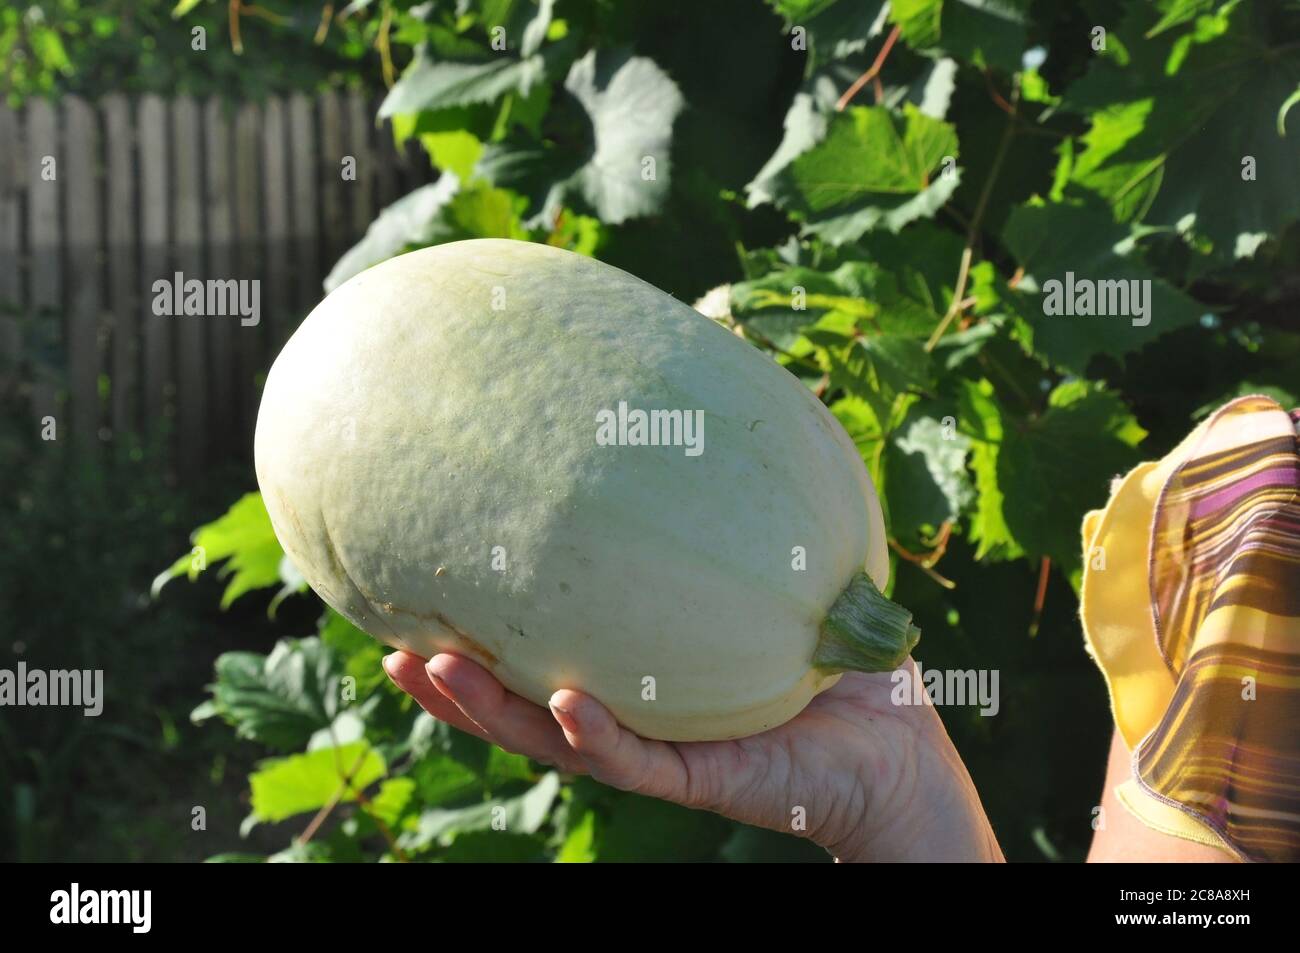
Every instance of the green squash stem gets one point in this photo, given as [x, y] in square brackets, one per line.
[865, 632]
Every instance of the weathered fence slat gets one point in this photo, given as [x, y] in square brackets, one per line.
[220, 263]
[123, 292]
[85, 292]
[388, 188]
[44, 334]
[13, 174]
[99, 201]
[361, 124]
[278, 289]
[249, 257]
[155, 260]
[333, 186]
[187, 255]
[303, 154]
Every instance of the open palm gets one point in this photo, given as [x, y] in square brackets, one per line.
[864, 777]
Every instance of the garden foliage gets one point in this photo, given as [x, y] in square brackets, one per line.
[895, 249]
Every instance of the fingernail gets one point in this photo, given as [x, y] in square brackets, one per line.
[564, 717]
[439, 682]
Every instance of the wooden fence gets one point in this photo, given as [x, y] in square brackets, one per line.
[100, 200]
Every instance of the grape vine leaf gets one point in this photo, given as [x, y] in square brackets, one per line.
[280, 699]
[834, 28]
[493, 847]
[411, 220]
[874, 169]
[632, 104]
[283, 787]
[879, 369]
[1053, 242]
[1084, 438]
[432, 84]
[442, 211]
[524, 814]
[244, 537]
[769, 305]
[1210, 160]
[814, 105]
[622, 166]
[926, 460]
[988, 525]
[524, 22]
[980, 32]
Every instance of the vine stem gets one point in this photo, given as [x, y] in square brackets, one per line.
[385, 50]
[323, 29]
[973, 232]
[328, 808]
[870, 74]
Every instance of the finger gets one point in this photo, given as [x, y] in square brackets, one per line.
[510, 721]
[408, 674]
[615, 755]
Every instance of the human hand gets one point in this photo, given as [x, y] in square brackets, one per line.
[877, 781]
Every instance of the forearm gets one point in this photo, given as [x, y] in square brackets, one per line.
[1121, 837]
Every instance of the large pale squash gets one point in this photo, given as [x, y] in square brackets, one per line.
[428, 450]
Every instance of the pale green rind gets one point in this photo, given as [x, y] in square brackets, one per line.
[409, 427]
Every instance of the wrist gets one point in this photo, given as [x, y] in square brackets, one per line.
[929, 811]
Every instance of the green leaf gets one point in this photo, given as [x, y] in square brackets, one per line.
[441, 778]
[1184, 134]
[411, 221]
[440, 212]
[284, 787]
[493, 847]
[392, 799]
[280, 699]
[927, 462]
[525, 22]
[362, 656]
[1076, 446]
[1178, 12]
[430, 84]
[504, 767]
[753, 845]
[980, 32]
[874, 169]
[815, 105]
[620, 169]
[236, 858]
[1053, 243]
[780, 304]
[989, 529]
[646, 830]
[579, 845]
[243, 536]
[451, 137]
[880, 370]
[859, 421]
[524, 814]
[834, 28]
[1085, 438]
[612, 87]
